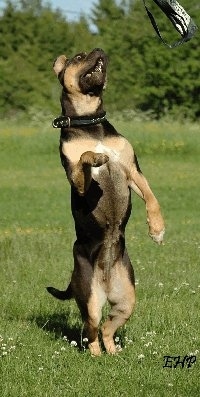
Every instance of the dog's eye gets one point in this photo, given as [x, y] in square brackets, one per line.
[78, 57]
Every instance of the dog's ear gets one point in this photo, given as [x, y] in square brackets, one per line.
[59, 64]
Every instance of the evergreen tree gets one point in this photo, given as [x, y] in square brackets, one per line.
[31, 37]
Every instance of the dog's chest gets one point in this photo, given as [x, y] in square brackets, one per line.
[110, 151]
[113, 147]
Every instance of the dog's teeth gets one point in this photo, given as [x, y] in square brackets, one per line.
[98, 69]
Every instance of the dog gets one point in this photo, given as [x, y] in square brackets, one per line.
[102, 168]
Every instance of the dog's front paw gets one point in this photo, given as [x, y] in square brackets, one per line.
[156, 225]
[100, 159]
[158, 237]
[94, 159]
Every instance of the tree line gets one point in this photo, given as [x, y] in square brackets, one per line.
[143, 74]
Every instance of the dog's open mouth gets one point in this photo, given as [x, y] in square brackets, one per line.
[98, 68]
[93, 77]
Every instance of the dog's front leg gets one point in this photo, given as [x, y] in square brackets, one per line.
[154, 217]
[81, 172]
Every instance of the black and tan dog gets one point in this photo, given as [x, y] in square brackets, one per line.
[102, 168]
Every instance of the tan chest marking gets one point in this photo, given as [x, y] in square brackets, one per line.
[116, 148]
[74, 149]
[84, 102]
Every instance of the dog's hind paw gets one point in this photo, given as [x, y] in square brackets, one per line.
[94, 348]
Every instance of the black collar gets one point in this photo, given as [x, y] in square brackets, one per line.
[65, 121]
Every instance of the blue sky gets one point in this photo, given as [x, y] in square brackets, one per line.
[72, 9]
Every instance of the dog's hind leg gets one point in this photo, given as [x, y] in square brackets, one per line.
[91, 331]
[122, 300]
[81, 173]
[91, 314]
[89, 295]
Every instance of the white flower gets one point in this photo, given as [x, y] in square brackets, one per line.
[140, 356]
[194, 353]
[148, 344]
[117, 339]
[119, 348]
[85, 340]
[12, 347]
[73, 343]
[62, 348]
[160, 284]
[150, 333]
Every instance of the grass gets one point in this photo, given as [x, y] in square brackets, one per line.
[38, 356]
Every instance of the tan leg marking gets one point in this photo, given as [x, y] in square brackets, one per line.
[154, 217]
[139, 184]
[122, 300]
[96, 302]
[92, 334]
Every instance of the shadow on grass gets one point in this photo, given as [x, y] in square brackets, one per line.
[60, 325]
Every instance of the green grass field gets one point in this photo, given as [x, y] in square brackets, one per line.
[38, 335]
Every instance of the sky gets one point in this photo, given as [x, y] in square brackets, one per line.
[73, 8]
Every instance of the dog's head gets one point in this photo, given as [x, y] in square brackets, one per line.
[83, 78]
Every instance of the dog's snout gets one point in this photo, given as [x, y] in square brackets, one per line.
[98, 49]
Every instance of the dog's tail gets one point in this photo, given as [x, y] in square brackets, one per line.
[62, 295]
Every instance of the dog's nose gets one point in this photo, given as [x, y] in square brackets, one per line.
[99, 52]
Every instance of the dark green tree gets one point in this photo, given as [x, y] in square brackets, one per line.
[32, 35]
